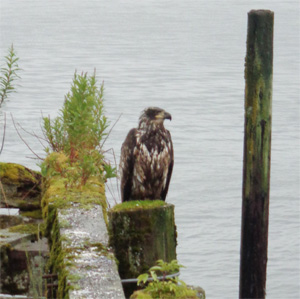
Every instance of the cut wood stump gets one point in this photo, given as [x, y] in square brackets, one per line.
[142, 232]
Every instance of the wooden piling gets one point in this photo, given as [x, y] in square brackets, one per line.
[257, 152]
[141, 232]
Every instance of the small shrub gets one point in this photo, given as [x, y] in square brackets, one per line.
[166, 287]
[76, 134]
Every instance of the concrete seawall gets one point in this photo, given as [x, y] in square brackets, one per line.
[75, 224]
[75, 220]
[93, 265]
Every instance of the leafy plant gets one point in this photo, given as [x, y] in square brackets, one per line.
[162, 268]
[160, 285]
[8, 74]
[78, 132]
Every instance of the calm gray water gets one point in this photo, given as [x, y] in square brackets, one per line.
[187, 57]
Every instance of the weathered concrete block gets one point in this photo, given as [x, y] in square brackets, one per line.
[93, 265]
[10, 220]
[21, 257]
[76, 230]
[23, 253]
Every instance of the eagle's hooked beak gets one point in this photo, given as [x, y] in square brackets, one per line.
[167, 115]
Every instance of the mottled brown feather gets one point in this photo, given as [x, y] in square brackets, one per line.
[147, 160]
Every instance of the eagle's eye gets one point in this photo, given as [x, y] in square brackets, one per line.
[156, 114]
[160, 115]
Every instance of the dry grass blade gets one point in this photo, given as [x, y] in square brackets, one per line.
[110, 130]
[3, 137]
[24, 139]
[39, 138]
[117, 177]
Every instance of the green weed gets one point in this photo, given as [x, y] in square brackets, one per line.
[166, 287]
[8, 74]
[77, 135]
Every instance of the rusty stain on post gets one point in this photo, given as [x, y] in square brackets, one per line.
[257, 153]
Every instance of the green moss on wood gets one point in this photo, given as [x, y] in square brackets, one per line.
[258, 103]
[141, 295]
[138, 204]
[257, 153]
[140, 236]
[181, 292]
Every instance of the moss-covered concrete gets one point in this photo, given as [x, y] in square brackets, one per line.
[35, 214]
[20, 249]
[73, 215]
[10, 220]
[20, 187]
[32, 228]
[57, 196]
[12, 173]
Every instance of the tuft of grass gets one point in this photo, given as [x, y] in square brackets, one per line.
[8, 74]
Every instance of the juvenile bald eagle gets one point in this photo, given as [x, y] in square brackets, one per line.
[147, 158]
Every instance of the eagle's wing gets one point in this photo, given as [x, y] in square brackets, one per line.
[126, 164]
[170, 168]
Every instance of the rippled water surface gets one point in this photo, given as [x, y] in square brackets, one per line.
[186, 57]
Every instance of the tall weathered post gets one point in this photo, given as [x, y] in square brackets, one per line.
[257, 152]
